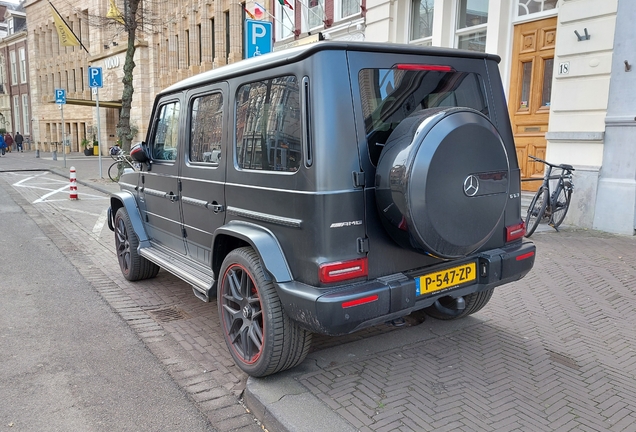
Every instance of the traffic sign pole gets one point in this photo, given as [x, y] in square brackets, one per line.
[60, 98]
[63, 134]
[99, 133]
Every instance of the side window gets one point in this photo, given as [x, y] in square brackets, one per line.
[165, 142]
[268, 128]
[206, 129]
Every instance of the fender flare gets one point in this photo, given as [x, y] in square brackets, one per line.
[127, 200]
[264, 243]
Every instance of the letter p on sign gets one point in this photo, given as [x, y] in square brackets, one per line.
[259, 31]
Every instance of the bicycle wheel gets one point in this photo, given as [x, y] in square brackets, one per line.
[536, 211]
[113, 171]
[560, 206]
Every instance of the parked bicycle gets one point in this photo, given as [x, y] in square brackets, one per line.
[122, 161]
[550, 205]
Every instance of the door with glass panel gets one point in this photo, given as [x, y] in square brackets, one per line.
[530, 88]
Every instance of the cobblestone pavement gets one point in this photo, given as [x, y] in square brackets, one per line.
[554, 351]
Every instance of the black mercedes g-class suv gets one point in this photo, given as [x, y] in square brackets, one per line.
[328, 188]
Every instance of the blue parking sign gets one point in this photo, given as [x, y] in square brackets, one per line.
[258, 38]
[60, 96]
[95, 77]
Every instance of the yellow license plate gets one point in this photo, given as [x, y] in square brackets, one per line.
[449, 278]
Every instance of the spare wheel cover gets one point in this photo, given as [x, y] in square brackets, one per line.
[454, 180]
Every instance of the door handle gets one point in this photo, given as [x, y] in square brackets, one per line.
[172, 197]
[216, 208]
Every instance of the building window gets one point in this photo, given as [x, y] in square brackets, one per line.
[285, 21]
[529, 7]
[347, 8]
[25, 114]
[422, 20]
[16, 113]
[3, 76]
[227, 36]
[213, 33]
[315, 13]
[14, 68]
[472, 18]
[11, 26]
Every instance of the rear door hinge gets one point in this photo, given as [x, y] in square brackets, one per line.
[363, 245]
[184, 233]
[179, 184]
[358, 179]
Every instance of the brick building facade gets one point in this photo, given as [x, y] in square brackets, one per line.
[15, 100]
[178, 39]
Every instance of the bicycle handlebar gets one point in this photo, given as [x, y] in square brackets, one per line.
[562, 166]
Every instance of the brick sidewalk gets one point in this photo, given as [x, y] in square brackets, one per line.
[552, 352]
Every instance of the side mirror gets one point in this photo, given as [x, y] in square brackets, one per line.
[140, 153]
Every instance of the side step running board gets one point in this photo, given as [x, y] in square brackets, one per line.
[201, 278]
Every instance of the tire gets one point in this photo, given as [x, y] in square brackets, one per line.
[113, 172]
[536, 211]
[442, 182]
[259, 335]
[133, 266]
[561, 206]
[473, 302]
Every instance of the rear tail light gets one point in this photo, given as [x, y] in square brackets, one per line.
[421, 67]
[343, 270]
[515, 232]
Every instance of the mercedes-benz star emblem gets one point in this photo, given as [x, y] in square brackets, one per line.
[471, 185]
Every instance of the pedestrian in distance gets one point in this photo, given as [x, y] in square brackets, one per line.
[3, 145]
[8, 139]
[18, 141]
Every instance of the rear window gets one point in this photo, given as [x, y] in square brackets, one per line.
[391, 95]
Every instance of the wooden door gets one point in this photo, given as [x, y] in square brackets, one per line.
[530, 88]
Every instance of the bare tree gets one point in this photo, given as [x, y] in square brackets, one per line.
[131, 24]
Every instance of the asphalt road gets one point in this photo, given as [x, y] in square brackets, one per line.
[67, 362]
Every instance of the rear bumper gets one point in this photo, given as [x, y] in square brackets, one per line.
[322, 311]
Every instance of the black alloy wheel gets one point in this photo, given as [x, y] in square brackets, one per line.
[261, 338]
[133, 266]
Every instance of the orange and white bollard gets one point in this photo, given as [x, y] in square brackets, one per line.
[73, 189]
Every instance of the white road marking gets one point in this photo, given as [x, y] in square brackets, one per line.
[99, 225]
[45, 185]
[77, 211]
[45, 196]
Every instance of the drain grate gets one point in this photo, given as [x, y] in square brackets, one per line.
[563, 359]
[168, 314]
